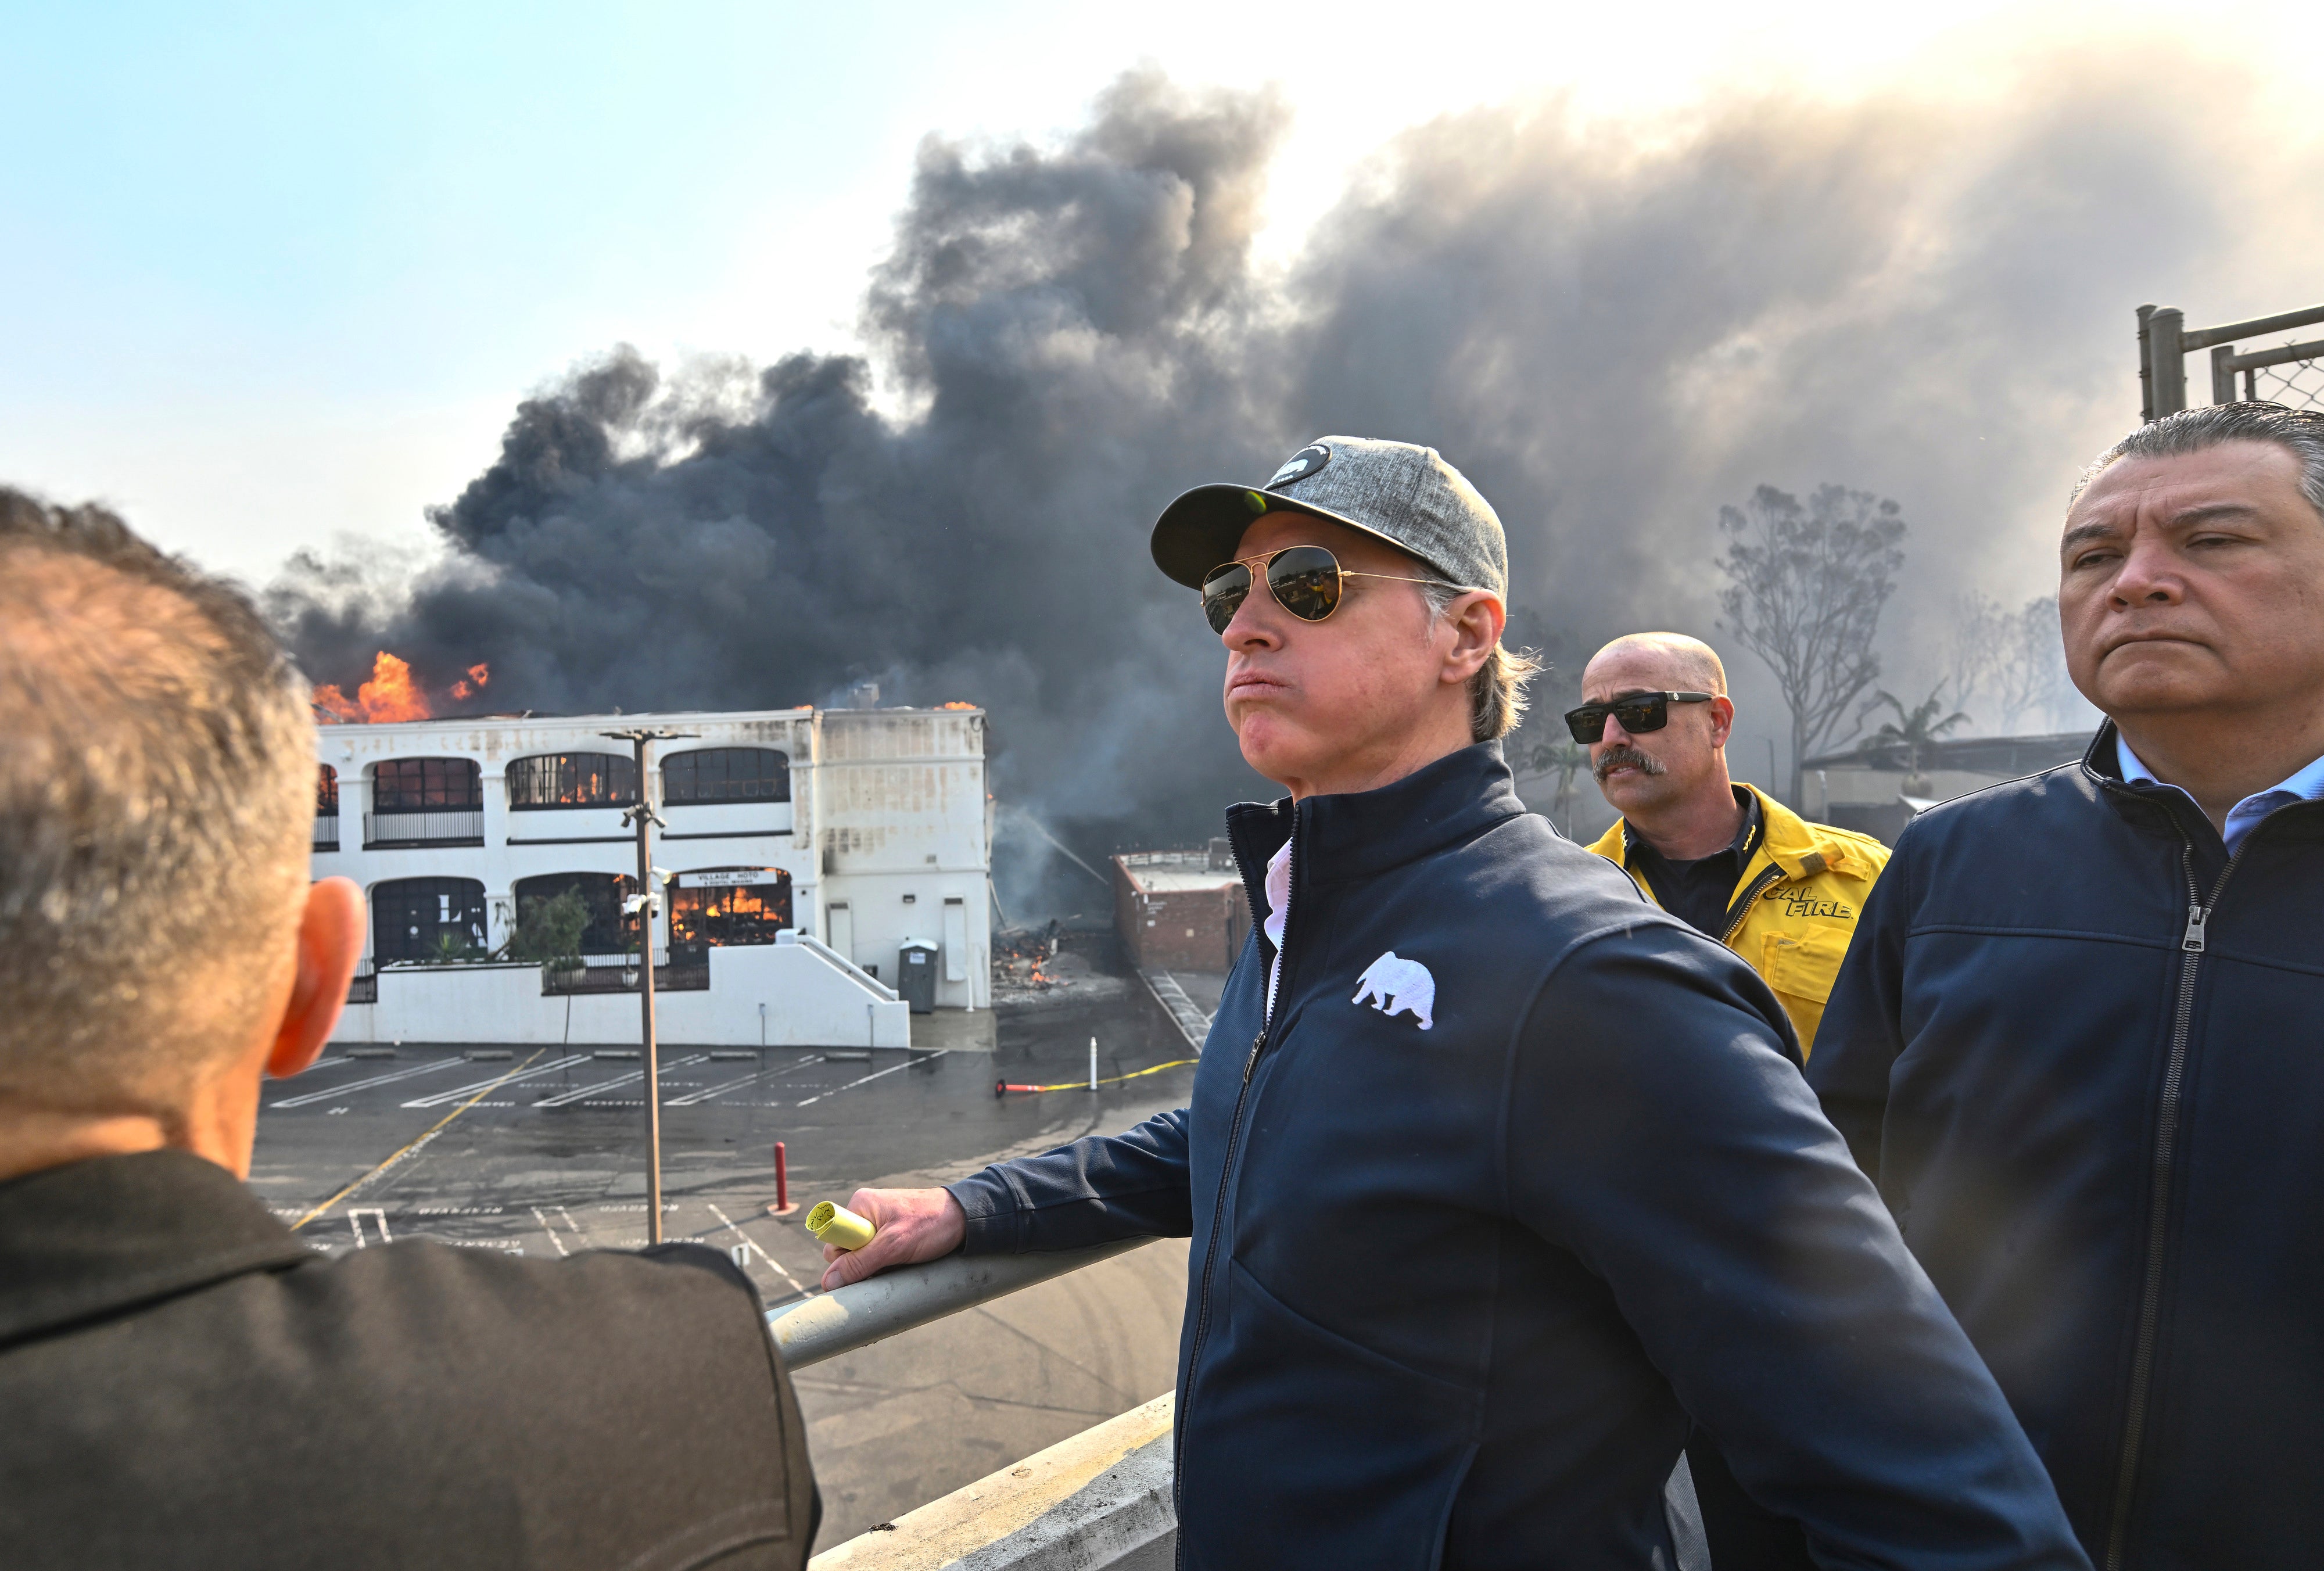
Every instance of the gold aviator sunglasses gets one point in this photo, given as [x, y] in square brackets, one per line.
[1306, 580]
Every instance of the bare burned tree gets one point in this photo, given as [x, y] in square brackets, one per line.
[2010, 663]
[2030, 674]
[1977, 647]
[1806, 588]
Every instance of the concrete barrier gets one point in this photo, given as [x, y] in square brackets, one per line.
[1100, 1499]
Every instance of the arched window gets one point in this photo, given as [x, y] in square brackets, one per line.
[427, 785]
[726, 774]
[730, 905]
[427, 919]
[572, 780]
[327, 807]
[608, 932]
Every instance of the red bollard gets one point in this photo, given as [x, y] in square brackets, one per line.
[783, 1205]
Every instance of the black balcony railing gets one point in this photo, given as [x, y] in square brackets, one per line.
[687, 971]
[364, 987]
[326, 831]
[393, 831]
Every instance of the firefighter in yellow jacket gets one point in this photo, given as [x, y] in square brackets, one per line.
[1726, 859]
[1732, 862]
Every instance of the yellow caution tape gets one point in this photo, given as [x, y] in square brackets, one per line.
[838, 1226]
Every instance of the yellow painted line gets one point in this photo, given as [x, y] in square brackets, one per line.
[415, 1145]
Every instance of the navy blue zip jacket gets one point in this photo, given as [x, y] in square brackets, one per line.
[1522, 1175]
[2085, 1059]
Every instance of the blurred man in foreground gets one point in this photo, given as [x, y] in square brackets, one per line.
[2077, 1038]
[1494, 1173]
[1734, 864]
[1728, 860]
[185, 1383]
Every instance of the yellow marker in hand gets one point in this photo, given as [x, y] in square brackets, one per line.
[838, 1226]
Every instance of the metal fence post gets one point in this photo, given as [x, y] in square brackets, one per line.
[2146, 367]
[2168, 360]
[2223, 373]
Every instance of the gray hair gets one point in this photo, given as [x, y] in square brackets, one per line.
[2192, 430]
[156, 783]
[1497, 693]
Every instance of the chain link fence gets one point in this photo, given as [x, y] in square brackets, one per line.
[2296, 384]
[2290, 373]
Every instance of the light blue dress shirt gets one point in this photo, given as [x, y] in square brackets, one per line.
[2305, 786]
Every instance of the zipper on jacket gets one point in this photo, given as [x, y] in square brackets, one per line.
[1740, 911]
[1226, 1181]
[2192, 946]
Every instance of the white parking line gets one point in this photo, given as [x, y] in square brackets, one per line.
[365, 1085]
[561, 1251]
[751, 1243]
[438, 1098]
[867, 1079]
[567, 1098]
[354, 1218]
[691, 1098]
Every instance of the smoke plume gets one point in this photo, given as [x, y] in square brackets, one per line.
[1611, 328]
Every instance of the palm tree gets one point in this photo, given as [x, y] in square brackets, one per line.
[1563, 757]
[1915, 730]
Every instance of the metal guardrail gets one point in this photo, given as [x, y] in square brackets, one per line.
[861, 1313]
[391, 831]
[326, 831]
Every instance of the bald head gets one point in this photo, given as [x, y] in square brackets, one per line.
[1669, 781]
[1654, 663]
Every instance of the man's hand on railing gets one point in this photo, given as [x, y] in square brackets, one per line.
[914, 1226]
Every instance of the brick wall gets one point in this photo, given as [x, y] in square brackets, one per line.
[1197, 930]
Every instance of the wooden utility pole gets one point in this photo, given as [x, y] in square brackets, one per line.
[647, 904]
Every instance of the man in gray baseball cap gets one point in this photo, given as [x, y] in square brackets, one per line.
[1497, 1178]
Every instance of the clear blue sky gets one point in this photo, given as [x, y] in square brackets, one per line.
[270, 275]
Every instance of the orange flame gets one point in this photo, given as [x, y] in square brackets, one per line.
[390, 696]
[956, 704]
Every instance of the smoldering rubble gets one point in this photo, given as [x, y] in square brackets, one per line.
[1610, 327]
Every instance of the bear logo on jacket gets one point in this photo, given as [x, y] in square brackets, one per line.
[1393, 985]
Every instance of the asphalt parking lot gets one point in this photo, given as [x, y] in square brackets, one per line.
[542, 1153]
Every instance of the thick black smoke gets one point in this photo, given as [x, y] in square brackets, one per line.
[1611, 330]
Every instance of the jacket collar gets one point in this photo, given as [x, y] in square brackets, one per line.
[1362, 834]
[1801, 848]
[97, 1237]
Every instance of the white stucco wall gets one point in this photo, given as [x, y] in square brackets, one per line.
[809, 1001]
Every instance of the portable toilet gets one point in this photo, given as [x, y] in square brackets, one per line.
[916, 975]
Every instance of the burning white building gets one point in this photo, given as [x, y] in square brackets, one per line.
[827, 874]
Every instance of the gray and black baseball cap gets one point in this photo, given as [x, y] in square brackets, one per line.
[1407, 495]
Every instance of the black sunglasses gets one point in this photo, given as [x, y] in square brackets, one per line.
[1637, 712]
[1306, 580]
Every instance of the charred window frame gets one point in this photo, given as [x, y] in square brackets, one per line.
[410, 917]
[425, 785]
[326, 791]
[731, 914]
[609, 932]
[550, 780]
[726, 774]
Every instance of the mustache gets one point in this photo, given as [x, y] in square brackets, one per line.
[1620, 757]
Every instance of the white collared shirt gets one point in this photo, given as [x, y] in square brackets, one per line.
[2305, 785]
[1278, 906]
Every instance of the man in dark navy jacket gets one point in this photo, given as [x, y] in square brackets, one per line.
[2077, 1040]
[1496, 1175]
